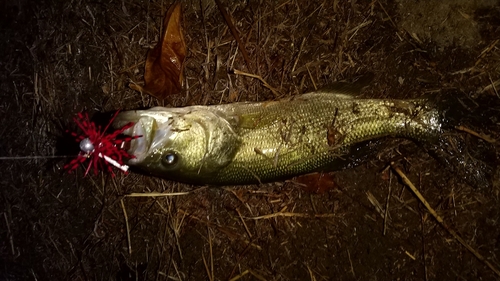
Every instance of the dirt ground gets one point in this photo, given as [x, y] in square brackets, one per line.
[63, 57]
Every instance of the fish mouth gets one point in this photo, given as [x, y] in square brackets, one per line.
[142, 127]
[138, 147]
[155, 131]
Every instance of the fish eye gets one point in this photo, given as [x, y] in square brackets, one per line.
[170, 158]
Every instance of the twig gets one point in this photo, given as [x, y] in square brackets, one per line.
[489, 48]
[288, 214]
[275, 91]
[256, 275]
[410, 255]
[127, 226]
[423, 218]
[387, 202]
[357, 28]
[176, 226]
[156, 194]
[176, 270]
[493, 86]
[253, 273]
[239, 276]
[350, 262]
[476, 134]
[161, 194]
[210, 271]
[298, 55]
[387, 14]
[206, 268]
[312, 79]
[440, 220]
[375, 203]
[9, 234]
[244, 224]
[311, 273]
[230, 24]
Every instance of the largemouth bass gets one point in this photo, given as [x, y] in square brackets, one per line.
[255, 142]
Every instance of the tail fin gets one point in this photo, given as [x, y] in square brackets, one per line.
[471, 158]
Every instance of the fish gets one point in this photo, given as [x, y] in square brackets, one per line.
[257, 142]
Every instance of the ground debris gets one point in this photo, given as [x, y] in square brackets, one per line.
[63, 57]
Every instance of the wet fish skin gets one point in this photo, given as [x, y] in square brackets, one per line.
[244, 143]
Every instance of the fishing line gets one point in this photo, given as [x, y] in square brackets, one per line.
[108, 159]
[35, 157]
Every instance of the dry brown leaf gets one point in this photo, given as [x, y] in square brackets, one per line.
[164, 66]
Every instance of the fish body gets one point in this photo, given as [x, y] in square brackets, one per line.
[255, 142]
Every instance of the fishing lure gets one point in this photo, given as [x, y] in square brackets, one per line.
[103, 150]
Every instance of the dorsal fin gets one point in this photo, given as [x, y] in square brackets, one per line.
[343, 89]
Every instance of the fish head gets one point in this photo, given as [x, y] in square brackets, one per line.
[183, 144]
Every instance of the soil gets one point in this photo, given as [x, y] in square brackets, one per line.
[63, 57]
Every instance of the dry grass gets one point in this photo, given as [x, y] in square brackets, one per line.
[62, 57]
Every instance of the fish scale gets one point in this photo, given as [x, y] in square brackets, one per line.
[311, 115]
[244, 143]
